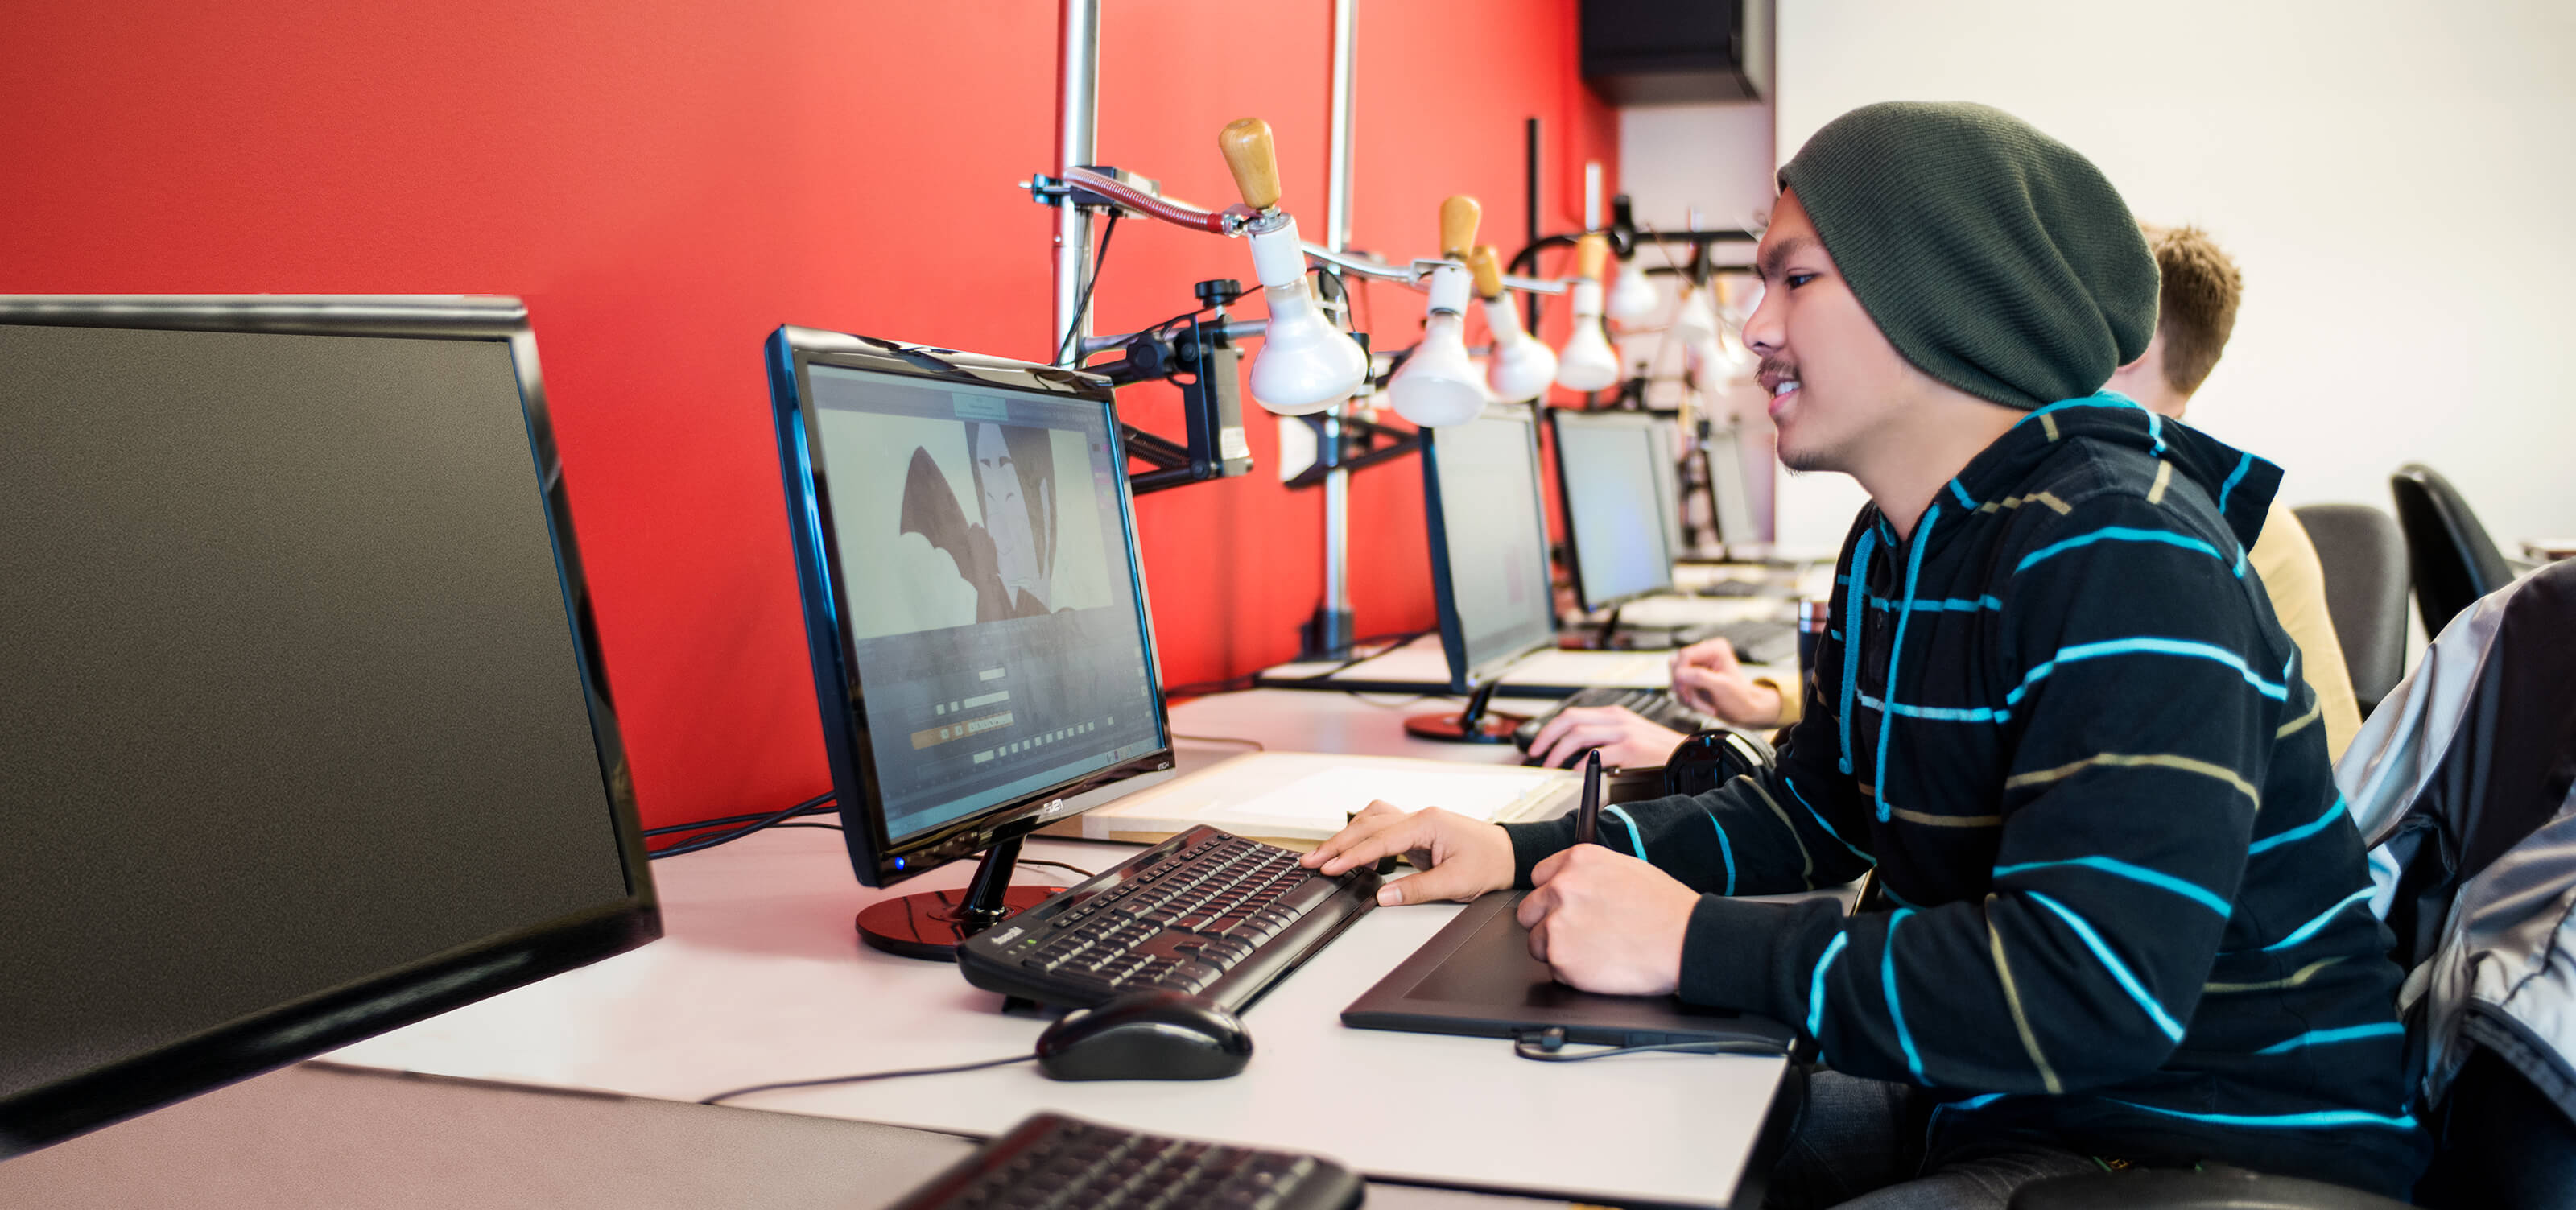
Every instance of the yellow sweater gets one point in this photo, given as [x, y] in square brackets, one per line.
[2296, 582]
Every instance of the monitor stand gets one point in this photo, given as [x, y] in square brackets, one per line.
[932, 924]
[1473, 725]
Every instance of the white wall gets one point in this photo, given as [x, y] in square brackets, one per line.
[2397, 180]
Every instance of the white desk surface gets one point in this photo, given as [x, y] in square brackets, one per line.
[759, 977]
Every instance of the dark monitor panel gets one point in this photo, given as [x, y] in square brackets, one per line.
[305, 735]
[974, 601]
[1615, 532]
[1488, 542]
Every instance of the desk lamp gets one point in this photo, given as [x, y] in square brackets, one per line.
[1522, 365]
[1633, 300]
[1437, 385]
[1305, 363]
[1588, 364]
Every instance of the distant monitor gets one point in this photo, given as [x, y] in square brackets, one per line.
[1666, 433]
[1732, 500]
[1489, 571]
[305, 735]
[974, 608]
[1615, 533]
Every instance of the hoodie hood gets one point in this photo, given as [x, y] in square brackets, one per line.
[2240, 484]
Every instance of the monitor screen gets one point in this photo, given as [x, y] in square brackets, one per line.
[1733, 501]
[1605, 462]
[299, 745]
[993, 651]
[1488, 542]
[1666, 433]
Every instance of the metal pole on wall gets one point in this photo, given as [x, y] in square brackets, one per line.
[1331, 631]
[1077, 113]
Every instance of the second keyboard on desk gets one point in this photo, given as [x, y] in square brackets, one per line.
[1205, 912]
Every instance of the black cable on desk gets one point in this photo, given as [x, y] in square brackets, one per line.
[1254, 744]
[1544, 1047]
[1059, 865]
[722, 1097]
[757, 823]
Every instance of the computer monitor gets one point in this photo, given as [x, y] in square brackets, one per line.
[1489, 572]
[305, 735]
[1730, 500]
[974, 608]
[1615, 536]
[1666, 433]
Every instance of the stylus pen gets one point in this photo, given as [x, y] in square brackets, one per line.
[1587, 814]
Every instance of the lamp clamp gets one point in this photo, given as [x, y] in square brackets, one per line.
[1194, 353]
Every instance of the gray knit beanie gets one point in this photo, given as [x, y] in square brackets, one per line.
[1995, 258]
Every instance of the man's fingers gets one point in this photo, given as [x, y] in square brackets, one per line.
[1533, 907]
[1338, 853]
[1567, 720]
[1449, 880]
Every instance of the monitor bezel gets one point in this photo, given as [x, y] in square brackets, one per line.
[877, 858]
[1464, 677]
[1643, 422]
[403, 995]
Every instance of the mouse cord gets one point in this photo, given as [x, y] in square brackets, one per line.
[1547, 1046]
[721, 1097]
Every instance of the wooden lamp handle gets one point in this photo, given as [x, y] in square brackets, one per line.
[1591, 252]
[1487, 265]
[1458, 218]
[1246, 144]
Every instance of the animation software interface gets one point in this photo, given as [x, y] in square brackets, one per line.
[991, 599]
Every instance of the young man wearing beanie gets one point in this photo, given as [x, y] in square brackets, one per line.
[2196, 311]
[2052, 710]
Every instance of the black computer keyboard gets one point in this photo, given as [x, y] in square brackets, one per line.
[1205, 913]
[1054, 1161]
[1754, 642]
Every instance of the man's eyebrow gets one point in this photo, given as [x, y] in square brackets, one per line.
[1768, 266]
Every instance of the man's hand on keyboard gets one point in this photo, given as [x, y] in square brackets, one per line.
[1626, 740]
[1708, 678]
[1459, 858]
[1607, 922]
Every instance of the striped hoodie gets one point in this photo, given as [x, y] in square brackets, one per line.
[2062, 723]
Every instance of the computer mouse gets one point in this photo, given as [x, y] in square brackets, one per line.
[1157, 1035]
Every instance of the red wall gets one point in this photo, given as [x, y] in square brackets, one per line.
[665, 184]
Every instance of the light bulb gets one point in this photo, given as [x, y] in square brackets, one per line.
[1587, 362]
[1634, 300]
[1438, 385]
[1305, 364]
[1695, 321]
[1522, 364]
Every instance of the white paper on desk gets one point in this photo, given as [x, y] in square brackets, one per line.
[1309, 796]
[1414, 663]
[1704, 611]
[1621, 669]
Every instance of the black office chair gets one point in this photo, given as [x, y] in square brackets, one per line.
[2454, 560]
[2364, 558]
[2500, 1143]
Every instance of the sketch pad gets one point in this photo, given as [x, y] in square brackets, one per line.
[1299, 799]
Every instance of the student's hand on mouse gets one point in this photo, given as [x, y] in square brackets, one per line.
[1626, 740]
[1607, 922]
[1459, 858]
[1708, 678]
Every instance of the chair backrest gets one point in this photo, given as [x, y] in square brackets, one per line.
[2364, 558]
[2463, 780]
[2455, 562]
